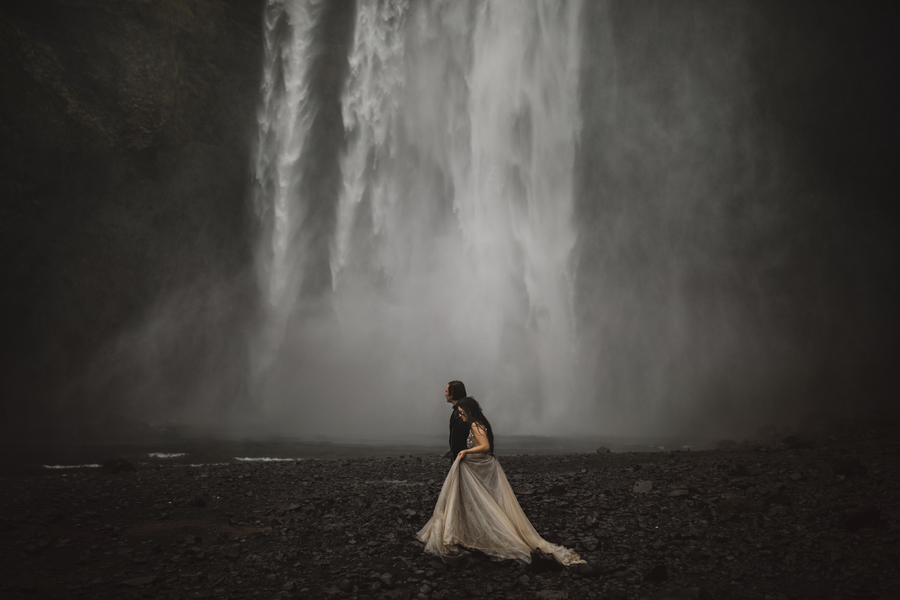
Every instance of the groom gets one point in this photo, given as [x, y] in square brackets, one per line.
[459, 430]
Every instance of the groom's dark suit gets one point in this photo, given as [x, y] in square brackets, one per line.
[459, 433]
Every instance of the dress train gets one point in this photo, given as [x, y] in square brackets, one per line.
[478, 510]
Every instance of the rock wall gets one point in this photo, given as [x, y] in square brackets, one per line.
[125, 136]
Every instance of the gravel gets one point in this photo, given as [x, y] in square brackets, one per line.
[805, 518]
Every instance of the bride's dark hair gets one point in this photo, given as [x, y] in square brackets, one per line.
[473, 413]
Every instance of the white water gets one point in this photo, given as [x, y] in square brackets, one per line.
[451, 257]
[283, 119]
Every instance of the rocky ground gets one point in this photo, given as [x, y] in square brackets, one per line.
[793, 518]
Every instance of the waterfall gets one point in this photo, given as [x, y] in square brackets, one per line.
[451, 248]
[283, 120]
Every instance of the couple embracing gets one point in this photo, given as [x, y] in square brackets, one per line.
[477, 509]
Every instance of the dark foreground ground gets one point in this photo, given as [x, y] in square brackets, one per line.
[795, 518]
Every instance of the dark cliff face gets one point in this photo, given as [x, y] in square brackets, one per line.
[125, 137]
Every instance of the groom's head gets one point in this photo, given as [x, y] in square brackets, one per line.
[456, 391]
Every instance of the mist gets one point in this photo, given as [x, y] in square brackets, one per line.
[583, 211]
[607, 218]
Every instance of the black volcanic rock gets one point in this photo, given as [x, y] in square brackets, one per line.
[849, 467]
[542, 562]
[320, 523]
[657, 574]
[117, 465]
[865, 517]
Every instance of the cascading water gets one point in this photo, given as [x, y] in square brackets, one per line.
[283, 119]
[451, 245]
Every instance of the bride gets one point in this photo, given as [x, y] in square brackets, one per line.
[477, 508]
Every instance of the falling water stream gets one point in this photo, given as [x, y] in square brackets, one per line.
[283, 127]
[451, 247]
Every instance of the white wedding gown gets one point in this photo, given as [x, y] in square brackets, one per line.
[478, 510]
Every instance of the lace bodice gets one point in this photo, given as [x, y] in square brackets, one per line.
[471, 442]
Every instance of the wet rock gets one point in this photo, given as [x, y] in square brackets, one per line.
[777, 496]
[117, 465]
[139, 581]
[288, 508]
[678, 593]
[52, 515]
[589, 570]
[740, 470]
[455, 560]
[542, 562]
[642, 486]
[862, 518]
[523, 489]
[657, 574]
[698, 555]
[850, 467]
[557, 490]
[345, 585]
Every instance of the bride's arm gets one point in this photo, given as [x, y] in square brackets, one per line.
[481, 440]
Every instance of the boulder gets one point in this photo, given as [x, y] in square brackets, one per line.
[642, 486]
[850, 467]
